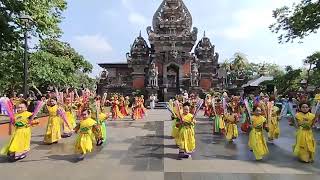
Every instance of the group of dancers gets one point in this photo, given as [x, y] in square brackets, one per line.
[86, 115]
[68, 113]
[253, 115]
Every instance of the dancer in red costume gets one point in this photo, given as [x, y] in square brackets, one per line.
[115, 108]
[122, 106]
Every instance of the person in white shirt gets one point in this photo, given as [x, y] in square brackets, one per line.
[3, 100]
[152, 101]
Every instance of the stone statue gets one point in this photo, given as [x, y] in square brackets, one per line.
[194, 75]
[104, 74]
[194, 33]
[153, 75]
[216, 57]
[150, 33]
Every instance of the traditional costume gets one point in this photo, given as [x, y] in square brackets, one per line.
[123, 107]
[208, 106]
[53, 131]
[19, 143]
[231, 120]
[257, 142]
[186, 141]
[273, 123]
[305, 146]
[88, 134]
[71, 119]
[115, 108]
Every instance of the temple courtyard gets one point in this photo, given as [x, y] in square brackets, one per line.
[144, 150]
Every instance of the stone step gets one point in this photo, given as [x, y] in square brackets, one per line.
[159, 105]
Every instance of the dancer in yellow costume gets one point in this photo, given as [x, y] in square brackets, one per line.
[70, 115]
[53, 132]
[257, 142]
[274, 124]
[231, 120]
[19, 143]
[305, 146]
[187, 142]
[88, 132]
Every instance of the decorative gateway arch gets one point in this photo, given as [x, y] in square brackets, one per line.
[168, 66]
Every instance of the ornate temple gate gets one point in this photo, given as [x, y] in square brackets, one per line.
[168, 65]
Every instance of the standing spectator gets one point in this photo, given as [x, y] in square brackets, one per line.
[3, 100]
[152, 101]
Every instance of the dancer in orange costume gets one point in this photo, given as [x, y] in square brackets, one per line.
[193, 102]
[127, 103]
[115, 108]
[138, 109]
[122, 106]
[208, 106]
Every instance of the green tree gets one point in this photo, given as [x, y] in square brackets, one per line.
[314, 64]
[46, 15]
[11, 70]
[297, 21]
[57, 63]
[54, 63]
[287, 82]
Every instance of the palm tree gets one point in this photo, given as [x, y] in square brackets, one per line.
[240, 61]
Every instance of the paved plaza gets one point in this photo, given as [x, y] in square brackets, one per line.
[144, 150]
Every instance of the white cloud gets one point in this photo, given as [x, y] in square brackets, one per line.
[248, 22]
[93, 43]
[137, 19]
[134, 17]
[127, 4]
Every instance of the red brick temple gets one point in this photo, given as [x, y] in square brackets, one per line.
[169, 65]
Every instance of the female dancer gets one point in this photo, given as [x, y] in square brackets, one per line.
[122, 106]
[86, 129]
[70, 115]
[53, 131]
[257, 142]
[19, 144]
[187, 142]
[305, 146]
[231, 118]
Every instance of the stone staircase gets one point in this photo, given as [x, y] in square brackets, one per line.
[160, 105]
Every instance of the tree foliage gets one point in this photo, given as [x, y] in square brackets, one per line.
[57, 63]
[239, 69]
[313, 71]
[298, 21]
[288, 82]
[53, 63]
[46, 16]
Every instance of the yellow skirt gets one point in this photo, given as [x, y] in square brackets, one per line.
[71, 122]
[231, 131]
[258, 143]
[19, 141]
[186, 139]
[305, 146]
[84, 143]
[53, 132]
[274, 130]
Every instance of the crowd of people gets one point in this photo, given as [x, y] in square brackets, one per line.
[252, 115]
[84, 115]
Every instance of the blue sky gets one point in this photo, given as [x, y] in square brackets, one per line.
[102, 30]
